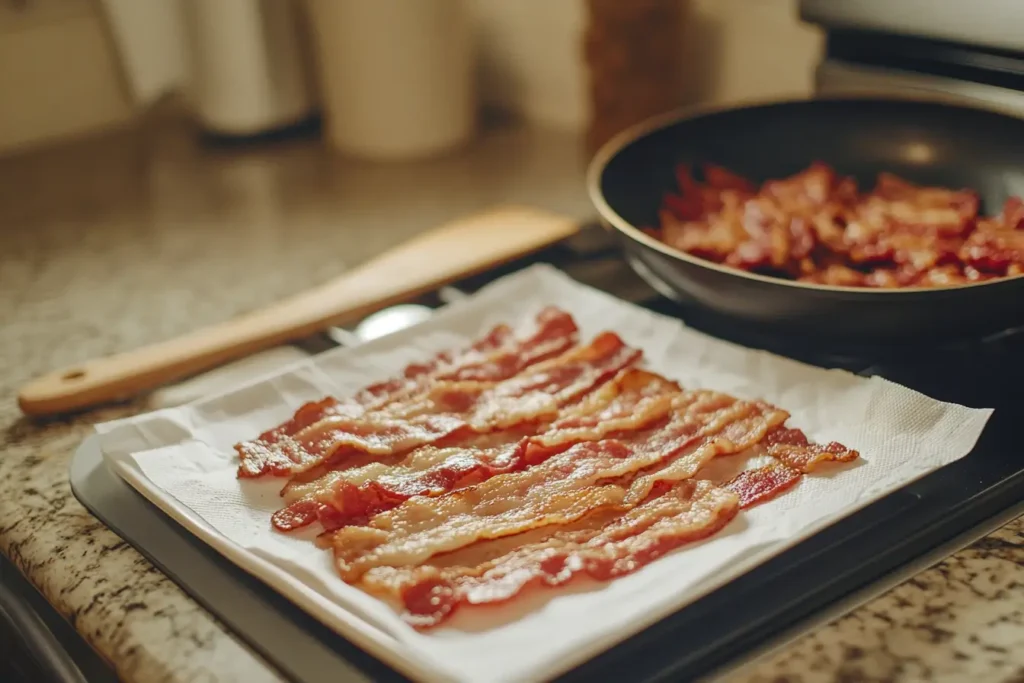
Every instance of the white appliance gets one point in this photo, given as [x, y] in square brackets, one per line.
[248, 70]
[972, 53]
[244, 65]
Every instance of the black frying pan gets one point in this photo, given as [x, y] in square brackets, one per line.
[925, 142]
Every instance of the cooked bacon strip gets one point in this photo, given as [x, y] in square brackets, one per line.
[793, 455]
[763, 483]
[736, 429]
[605, 544]
[602, 546]
[633, 400]
[792, 448]
[816, 226]
[586, 477]
[500, 354]
[448, 408]
[353, 496]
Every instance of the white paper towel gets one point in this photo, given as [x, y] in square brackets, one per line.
[182, 460]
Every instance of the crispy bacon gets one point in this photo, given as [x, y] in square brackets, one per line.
[633, 400]
[500, 354]
[816, 227]
[792, 448]
[353, 496]
[733, 429]
[792, 455]
[452, 408]
[525, 460]
[763, 483]
[602, 546]
[567, 486]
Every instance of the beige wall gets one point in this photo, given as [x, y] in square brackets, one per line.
[732, 50]
[749, 49]
[58, 74]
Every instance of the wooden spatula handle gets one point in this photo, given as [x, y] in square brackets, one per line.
[435, 258]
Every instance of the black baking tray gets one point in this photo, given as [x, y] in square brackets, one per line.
[818, 579]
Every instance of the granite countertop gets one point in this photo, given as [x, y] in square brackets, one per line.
[116, 242]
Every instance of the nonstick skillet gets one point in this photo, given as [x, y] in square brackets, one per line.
[923, 141]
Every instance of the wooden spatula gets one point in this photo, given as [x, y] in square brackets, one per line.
[433, 259]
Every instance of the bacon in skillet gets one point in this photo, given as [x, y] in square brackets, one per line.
[588, 476]
[634, 399]
[499, 354]
[996, 247]
[815, 226]
[603, 546]
[452, 408]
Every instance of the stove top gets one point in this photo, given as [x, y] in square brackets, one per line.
[839, 567]
[986, 23]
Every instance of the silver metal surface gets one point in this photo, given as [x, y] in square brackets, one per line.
[390, 320]
[836, 78]
[990, 23]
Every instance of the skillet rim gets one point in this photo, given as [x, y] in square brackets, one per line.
[609, 150]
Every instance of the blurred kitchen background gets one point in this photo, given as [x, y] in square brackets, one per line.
[78, 68]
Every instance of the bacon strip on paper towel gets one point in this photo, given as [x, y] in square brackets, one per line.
[792, 455]
[562, 489]
[500, 354]
[633, 399]
[453, 410]
[602, 546]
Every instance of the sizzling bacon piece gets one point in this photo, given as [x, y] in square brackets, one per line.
[451, 409]
[586, 477]
[816, 227]
[602, 546]
[500, 354]
[631, 401]
[997, 246]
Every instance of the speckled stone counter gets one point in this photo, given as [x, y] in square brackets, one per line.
[125, 240]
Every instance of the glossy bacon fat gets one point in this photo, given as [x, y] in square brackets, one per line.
[525, 460]
[816, 226]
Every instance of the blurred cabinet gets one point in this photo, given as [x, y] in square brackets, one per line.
[58, 73]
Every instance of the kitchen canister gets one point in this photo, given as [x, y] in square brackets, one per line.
[396, 76]
[248, 65]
